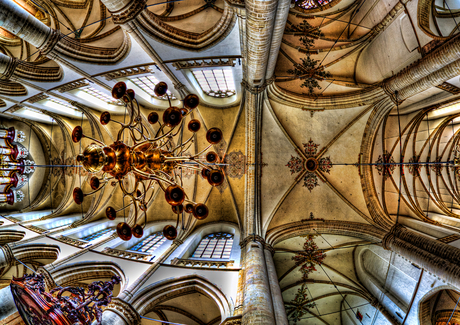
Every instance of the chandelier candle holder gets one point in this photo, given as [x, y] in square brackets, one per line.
[152, 159]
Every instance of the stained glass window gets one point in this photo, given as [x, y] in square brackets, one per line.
[218, 245]
[149, 244]
[97, 234]
[100, 95]
[216, 82]
[310, 4]
[147, 84]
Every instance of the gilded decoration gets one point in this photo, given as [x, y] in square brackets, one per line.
[385, 165]
[310, 181]
[309, 257]
[312, 164]
[414, 170]
[437, 168]
[299, 306]
[295, 165]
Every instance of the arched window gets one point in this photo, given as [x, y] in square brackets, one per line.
[218, 245]
[149, 244]
[97, 234]
[216, 82]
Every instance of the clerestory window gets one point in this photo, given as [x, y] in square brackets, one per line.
[97, 234]
[149, 244]
[60, 102]
[216, 82]
[218, 245]
[148, 83]
[100, 95]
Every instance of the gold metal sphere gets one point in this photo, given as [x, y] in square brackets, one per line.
[93, 158]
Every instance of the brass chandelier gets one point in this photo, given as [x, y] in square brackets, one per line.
[151, 159]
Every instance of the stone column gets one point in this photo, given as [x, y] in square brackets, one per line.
[257, 306]
[449, 52]
[434, 256]
[260, 18]
[277, 297]
[19, 22]
[7, 306]
[282, 13]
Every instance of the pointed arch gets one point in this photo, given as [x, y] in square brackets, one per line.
[147, 299]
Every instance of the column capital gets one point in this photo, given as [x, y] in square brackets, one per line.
[124, 310]
[257, 238]
[129, 12]
[252, 89]
[8, 253]
[49, 281]
[50, 42]
[389, 238]
[8, 65]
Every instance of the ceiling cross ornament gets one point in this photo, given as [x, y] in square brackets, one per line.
[312, 163]
[385, 165]
[414, 169]
[310, 71]
[298, 307]
[309, 257]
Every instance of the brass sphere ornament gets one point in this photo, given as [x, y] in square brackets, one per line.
[148, 159]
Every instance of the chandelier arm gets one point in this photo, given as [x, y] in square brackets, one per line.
[91, 138]
[150, 176]
[144, 130]
[185, 148]
[190, 201]
[117, 122]
[169, 100]
[183, 144]
[141, 197]
[164, 173]
[125, 207]
[131, 112]
[201, 152]
[180, 127]
[201, 164]
[125, 192]
[153, 140]
[162, 126]
[138, 107]
[133, 135]
[189, 167]
[97, 190]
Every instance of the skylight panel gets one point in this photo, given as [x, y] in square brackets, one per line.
[100, 95]
[60, 102]
[216, 82]
[147, 84]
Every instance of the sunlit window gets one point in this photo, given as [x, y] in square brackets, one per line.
[100, 95]
[97, 234]
[217, 245]
[216, 82]
[60, 102]
[147, 84]
[149, 244]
